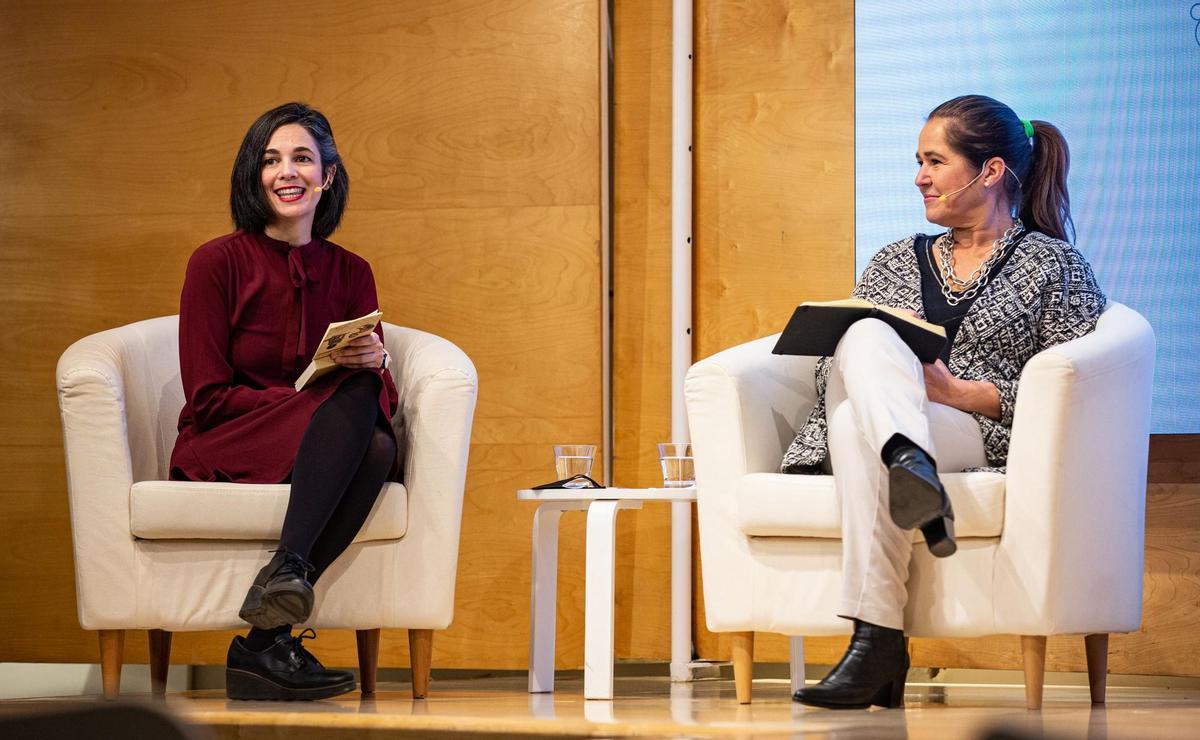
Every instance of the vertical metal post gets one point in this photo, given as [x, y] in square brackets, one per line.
[681, 324]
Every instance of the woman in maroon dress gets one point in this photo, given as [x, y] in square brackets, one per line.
[255, 304]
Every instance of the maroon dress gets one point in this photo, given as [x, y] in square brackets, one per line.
[252, 312]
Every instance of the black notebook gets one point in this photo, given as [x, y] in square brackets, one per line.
[816, 327]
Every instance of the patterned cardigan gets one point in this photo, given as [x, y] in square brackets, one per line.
[1044, 295]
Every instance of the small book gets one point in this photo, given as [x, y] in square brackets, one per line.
[816, 327]
[338, 334]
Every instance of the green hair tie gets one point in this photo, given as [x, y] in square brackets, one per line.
[1028, 128]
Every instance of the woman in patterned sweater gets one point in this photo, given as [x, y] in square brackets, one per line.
[1005, 282]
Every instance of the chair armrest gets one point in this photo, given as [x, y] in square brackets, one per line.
[91, 398]
[745, 405]
[1076, 486]
[437, 384]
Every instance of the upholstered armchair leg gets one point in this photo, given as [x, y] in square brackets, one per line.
[1096, 647]
[112, 652]
[1033, 652]
[420, 652]
[743, 665]
[368, 659]
[160, 661]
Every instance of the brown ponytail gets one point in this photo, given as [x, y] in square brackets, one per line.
[1046, 206]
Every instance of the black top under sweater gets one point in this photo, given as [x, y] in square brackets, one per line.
[937, 310]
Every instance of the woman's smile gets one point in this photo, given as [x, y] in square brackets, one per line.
[289, 194]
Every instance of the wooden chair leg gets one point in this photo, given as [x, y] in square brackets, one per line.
[368, 659]
[1033, 652]
[420, 652]
[1096, 647]
[160, 661]
[743, 665]
[112, 651]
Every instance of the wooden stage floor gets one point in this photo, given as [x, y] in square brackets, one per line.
[654, 707]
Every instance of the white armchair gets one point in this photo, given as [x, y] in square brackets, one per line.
[1053, 547]
[172, 556]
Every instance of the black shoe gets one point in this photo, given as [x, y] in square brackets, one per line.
[916, 498]
[285, 671]
[281, 594]
[872, 672]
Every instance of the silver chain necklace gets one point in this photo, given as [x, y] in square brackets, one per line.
[956, 290]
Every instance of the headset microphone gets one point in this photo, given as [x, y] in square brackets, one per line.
[944, 196]
[325, 186]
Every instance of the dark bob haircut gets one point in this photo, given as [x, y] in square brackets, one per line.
[247, 201]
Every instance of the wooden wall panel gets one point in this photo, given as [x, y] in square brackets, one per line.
[774, 163]
[774, 178]
[642, 300]
[641, 238]
[470, 129]
[439, 103]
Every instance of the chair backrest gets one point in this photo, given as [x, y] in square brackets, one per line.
[147, 356]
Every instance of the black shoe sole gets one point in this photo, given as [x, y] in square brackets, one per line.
[285, 604]
[813, 702]
[889, 696]
[914, 503]
[246, 686]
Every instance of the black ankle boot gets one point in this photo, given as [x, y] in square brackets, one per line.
[872, 672]
[916, 498]
[285, 671]
[281, 594]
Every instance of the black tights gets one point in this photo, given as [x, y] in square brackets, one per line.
[341, 466]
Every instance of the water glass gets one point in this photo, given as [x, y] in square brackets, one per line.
[678, 467]
[572, 460]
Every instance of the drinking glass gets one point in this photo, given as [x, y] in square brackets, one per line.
[571, 460]
[678, 467]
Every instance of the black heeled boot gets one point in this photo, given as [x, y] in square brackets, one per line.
[872, 672]
[916, 497]
[280, 594]
[284, 671]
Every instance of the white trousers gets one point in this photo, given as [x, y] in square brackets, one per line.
[876, 389]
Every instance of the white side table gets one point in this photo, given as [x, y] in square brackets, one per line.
[602, 505]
